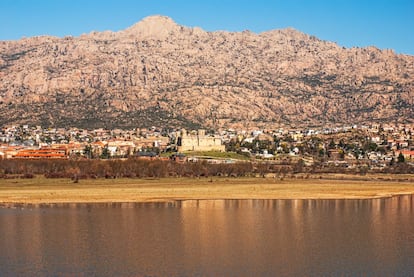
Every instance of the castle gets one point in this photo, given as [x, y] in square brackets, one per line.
[198, 142]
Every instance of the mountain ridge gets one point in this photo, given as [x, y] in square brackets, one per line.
[157, 72]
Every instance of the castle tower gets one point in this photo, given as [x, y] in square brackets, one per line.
[201, 132]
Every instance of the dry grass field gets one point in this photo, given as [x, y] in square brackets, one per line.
[40, 190]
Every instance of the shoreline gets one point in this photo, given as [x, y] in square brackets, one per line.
[42, 191]
[13, 205]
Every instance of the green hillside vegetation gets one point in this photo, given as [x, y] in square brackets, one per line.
[217, 155]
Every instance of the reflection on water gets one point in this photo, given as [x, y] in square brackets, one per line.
[226, 238]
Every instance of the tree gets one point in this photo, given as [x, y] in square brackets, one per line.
[372, 146]
[321, 152]
[298, 167]
[341, 143]
[401, 158]
[332, 144]
[87, 151]
[341, 154]
[233, 146]
[105, 153]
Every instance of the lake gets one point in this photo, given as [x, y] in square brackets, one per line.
[211, 238]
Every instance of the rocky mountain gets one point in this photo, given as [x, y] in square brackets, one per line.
[160, 73]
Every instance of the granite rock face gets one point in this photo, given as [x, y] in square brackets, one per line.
[160, 73]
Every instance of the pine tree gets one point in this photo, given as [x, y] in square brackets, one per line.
[401, 158]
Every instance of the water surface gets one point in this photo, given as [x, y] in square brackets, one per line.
[211, 238]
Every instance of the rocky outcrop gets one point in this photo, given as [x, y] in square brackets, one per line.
[159, 73]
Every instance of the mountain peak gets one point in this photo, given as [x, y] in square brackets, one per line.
[158, 20]
[157, 26]
[288, 32]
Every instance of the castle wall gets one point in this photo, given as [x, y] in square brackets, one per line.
[200, 142]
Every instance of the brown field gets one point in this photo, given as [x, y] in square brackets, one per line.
[40, 190]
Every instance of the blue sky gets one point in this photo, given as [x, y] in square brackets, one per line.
[387, 24]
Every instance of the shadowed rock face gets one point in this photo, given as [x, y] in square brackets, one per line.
[160, 73]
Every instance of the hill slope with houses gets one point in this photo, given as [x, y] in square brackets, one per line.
[160, 73]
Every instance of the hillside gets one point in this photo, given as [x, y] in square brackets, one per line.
[160, 73]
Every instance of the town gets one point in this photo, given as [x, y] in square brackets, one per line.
[376, 147]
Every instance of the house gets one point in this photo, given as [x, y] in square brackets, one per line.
[120, 148]
[152, 141]
[265, 155]
[75, 149]
[376, 139]
[9, 151]
[97, 147]
[402, 143]
[392, 143]
[297, 136]
[408, 154]
[179, 157]
[42, 153]
[264, 137]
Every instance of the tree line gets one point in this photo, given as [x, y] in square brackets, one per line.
[142, 168]
[117, 168]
